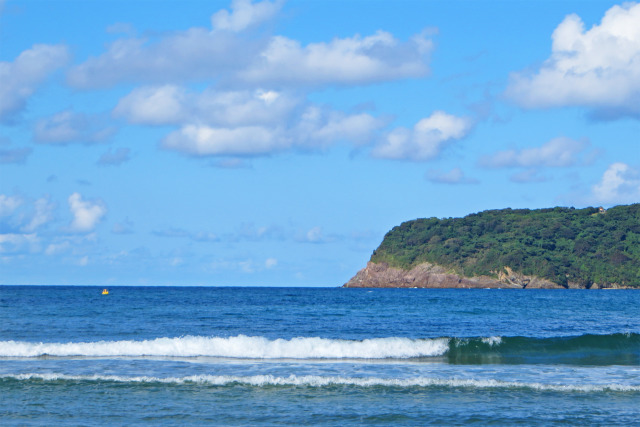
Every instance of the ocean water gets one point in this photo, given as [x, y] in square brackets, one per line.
[330, 356]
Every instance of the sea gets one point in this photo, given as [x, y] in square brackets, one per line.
[325, 356]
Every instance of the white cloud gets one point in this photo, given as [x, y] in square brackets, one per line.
[319, 128]
[171, 104]
[25, 216]
[209, 141]
[558, 152]
[22, 77]
[454, 176]
[271, 263]
[43, 213]
[597, 68]
[57, 248]
[247, 123]
[191, 55]
[86, 214]
[221, 54]
[13, 243]
[69, 127]
[8, 204]
[316, 235]
[244, 14]
[426, 140]
[620, 183]
[355, 60]
[154, 105]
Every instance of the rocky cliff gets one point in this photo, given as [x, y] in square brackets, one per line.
[426, 275]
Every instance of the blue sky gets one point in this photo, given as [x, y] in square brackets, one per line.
[274, 143]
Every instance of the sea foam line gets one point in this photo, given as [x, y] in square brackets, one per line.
[237, 347]
[325, 381]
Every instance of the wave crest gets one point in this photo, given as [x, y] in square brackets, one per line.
[323, 381]
[623, 349]
[237, 347]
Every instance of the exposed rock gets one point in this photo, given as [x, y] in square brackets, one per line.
[428, 275]
[522, 281]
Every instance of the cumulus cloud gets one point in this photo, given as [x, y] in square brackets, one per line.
[558, 152]
[160, 105]
[22, 77]
[222, 53]
[454, 176]
[244, 14]
[314, 131]
[318, 127]
[192, 55]
[244, 123]
[202, 140]
[619, 184]
[352, 60]
[597, 68]
[86, 214]
[171, 104]
[69, 127]
[114, 158]
[426, 140]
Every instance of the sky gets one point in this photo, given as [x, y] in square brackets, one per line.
[274, 143]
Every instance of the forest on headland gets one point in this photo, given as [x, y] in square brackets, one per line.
[567, 246]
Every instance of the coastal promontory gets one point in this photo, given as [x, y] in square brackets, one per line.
[555, 248]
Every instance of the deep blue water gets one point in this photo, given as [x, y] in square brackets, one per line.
[238, 356]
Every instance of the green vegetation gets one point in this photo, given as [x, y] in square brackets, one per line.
[581, 246]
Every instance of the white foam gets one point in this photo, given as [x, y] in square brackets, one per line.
[491, 341]
[326, 381]
[236, 347]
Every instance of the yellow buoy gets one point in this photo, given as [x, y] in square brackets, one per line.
[105, 292]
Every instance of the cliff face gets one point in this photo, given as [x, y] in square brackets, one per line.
[426, 275]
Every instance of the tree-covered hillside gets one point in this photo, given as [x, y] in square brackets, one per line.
[582, 246]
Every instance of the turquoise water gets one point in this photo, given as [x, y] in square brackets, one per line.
[238, 356]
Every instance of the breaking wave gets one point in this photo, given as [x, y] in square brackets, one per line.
[319, 382]
[237, 347]
[586, 349]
